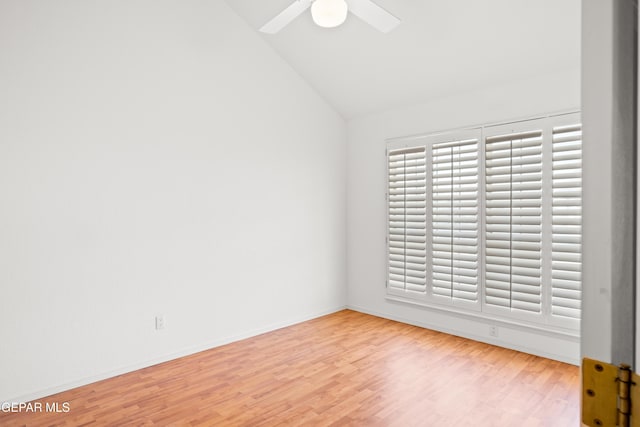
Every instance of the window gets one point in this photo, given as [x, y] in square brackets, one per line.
[407, 223]
[454, 221]
[566, 235]
[513, 223]
[489, 220]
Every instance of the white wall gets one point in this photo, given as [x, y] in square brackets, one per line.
[366, 204]
[155, 157]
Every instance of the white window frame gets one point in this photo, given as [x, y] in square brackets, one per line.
[545, 124]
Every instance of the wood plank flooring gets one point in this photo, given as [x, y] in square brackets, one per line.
[344, 369]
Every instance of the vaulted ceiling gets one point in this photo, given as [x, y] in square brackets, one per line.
[441, 47]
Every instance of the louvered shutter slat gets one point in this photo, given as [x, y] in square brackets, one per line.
[407, 220]
[566, 234]
[455, 221]
[513, 226]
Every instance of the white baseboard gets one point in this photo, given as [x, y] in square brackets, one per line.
[538, 351]
[39, 394]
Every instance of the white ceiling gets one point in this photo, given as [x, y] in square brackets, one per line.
[441, 47]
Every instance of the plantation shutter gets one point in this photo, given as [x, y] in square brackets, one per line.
[489, 219]
[566, 235]
[513, 227]
[407, 189]
[455, 221]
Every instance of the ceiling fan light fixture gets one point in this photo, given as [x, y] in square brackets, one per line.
[329, 13]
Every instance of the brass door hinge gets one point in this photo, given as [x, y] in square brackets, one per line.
[608, 395]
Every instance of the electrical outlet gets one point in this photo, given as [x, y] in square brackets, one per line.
[493, 330]
[159, 322]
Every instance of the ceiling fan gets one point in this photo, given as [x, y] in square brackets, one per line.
[331, 13]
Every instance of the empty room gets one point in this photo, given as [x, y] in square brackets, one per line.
[318, 212]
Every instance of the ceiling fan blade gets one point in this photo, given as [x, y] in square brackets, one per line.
[286, 16]
[373, 14]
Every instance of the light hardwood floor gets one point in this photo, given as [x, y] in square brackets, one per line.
[346, 368]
